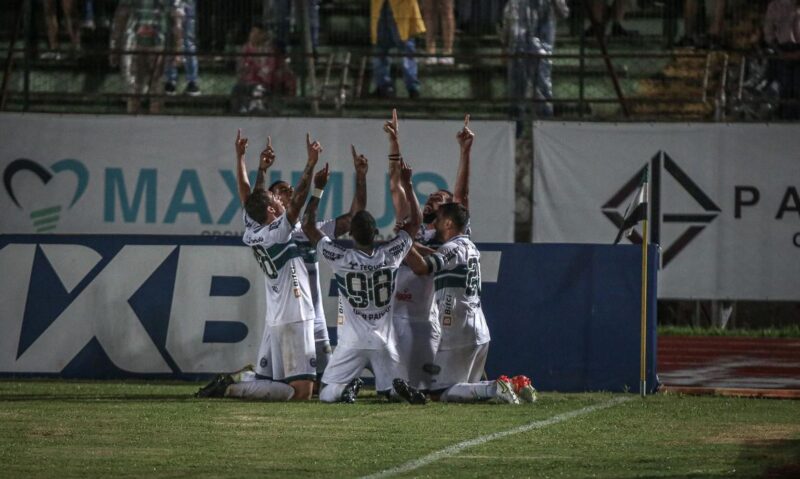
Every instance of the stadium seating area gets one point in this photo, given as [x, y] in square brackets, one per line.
[657, 80]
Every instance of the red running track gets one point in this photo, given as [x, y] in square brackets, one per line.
[728, 363]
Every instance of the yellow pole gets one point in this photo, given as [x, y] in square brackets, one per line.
[643, 348]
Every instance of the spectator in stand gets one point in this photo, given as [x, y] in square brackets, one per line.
[70, 23]
[393, 24]
[139, 31]
[601, 13]
[96, 14]
[692, 37]
[184, 26]
[529, 28]
[436, 13]
[782, 32]
[279, 16]
[261, 71]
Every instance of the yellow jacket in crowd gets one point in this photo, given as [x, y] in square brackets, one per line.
[406, 14]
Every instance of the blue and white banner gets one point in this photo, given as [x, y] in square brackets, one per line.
[175, 175]
[724, 203]
[116, 306]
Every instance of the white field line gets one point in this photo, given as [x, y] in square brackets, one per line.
[457, 448]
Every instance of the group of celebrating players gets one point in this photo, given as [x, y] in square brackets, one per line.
[409, 309]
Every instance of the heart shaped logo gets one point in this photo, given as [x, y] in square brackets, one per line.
[46, 219]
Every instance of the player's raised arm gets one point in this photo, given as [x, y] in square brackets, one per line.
[301, 189]
[310, 217]
[395, 184]
[411, 226]
[361, 165]
[417, 263]
[465, 138]
[265, 161]
[242, 182]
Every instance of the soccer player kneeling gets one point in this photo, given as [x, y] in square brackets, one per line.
[464, 344]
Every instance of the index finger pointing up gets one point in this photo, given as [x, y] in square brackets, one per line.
[466, 120]
[269, 141]
[394, 116]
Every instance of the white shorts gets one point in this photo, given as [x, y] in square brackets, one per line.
[461, 365]
[417, 342]
[347, 364]
[287, 352]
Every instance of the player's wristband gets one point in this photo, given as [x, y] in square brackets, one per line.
[395, 157]
[318, 193]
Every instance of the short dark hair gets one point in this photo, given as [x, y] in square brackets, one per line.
[456, 213]
[256, 205]
[363, 228]
[449, 193]
[274, 184]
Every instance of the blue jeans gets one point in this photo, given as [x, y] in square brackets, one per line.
[282, 22]
[388, 38]
[189, 45]
[523, 71]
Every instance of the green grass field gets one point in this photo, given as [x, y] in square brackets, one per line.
[123, 429]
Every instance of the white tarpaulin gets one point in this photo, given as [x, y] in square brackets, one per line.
[175, 175]
[725, 200]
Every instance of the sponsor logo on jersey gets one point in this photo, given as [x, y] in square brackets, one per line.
[330, 255]
[447, 312]
[404, 296]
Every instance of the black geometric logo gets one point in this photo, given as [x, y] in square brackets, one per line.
[696, 223]
[263, 362]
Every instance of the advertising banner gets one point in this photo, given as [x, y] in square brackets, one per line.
[724, 206]
[150, 306]
[175, 175]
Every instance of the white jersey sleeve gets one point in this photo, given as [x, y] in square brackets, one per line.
[276, 232]
[397, 248]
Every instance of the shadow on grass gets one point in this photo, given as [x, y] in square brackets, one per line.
[779, 458]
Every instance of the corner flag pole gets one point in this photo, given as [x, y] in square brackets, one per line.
[643, 346]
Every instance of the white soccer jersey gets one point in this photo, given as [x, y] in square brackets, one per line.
[285, 276]
[414, 294]
[309, 253]
[365, 283]
[456, 273]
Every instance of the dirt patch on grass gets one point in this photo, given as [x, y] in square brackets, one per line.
[759, 433]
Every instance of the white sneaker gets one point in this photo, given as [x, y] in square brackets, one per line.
[447, 61]
[505, 393]
[523, 388]
[430, 60]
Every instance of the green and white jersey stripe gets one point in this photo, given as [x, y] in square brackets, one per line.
[286, 279]
[456, 273]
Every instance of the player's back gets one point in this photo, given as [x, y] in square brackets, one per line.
[457, 281]
[366, 283]
[285, 276]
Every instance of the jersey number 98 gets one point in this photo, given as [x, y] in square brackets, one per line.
[363, 288]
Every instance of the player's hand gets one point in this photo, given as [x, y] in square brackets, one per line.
[267, 157]
[240, 145]
[321, 177]
[465, 136]
[314, 150]
[360, 162]
[405, 173]
[391, 127]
